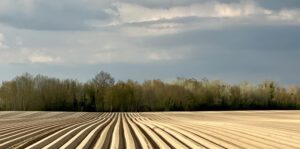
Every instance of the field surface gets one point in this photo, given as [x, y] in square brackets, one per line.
[239, 129]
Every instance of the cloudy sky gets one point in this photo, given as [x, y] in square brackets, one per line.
[231, 40]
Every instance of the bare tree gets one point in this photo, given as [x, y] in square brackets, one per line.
[100, 83]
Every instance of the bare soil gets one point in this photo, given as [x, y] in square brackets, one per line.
[231, 129]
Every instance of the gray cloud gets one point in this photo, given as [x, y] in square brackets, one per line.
[233, 40]
[60, 15]
[52, 15]
[261, 38]
[279, 4]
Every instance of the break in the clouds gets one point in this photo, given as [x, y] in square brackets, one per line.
[233, 40]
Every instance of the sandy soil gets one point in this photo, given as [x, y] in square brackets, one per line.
[238, 129]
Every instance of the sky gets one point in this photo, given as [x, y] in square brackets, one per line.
[229, 40]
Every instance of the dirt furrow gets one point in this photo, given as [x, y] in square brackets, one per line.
[214, 129]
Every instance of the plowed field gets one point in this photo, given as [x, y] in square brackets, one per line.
[239, 129]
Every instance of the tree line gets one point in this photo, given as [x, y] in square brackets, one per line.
[102, 93]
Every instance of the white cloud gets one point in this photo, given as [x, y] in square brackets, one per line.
[287, 15]
[133, 56]
[138, 20]
[126, 53]
[132, 13]
[41, 59]
[163, 55]
[152, 29]
[24, 7]
[37, 56]
[27, 55]
[238, 10]
[19, 41]
[2, 42]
